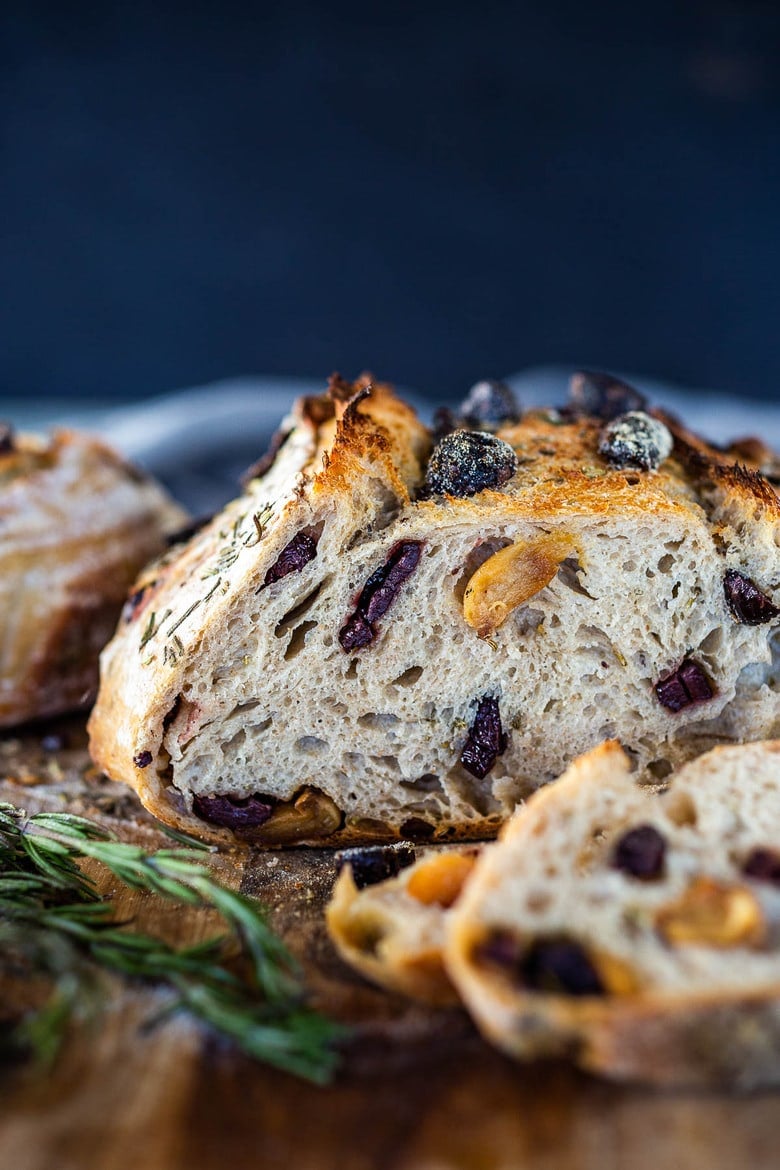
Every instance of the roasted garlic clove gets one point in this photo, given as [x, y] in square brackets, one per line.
[511, 577]
[712, 913]
[309, 814]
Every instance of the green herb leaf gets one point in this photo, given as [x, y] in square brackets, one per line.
[54, 923]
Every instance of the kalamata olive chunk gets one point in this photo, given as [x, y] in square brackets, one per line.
[486, 740]
[295, 554]
[687, 685]
[560, 965]
[375, 863]
[746, 601]
[641, 853]
[603, 395]
[466, 462]
[231, 812]
[378, 595]
[556, 965]
[142, 759]
[635, 440]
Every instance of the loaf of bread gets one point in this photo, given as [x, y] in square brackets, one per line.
[77, 525]
[400, 633]
[634, 933]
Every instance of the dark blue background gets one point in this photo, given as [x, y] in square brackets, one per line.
[436, 191]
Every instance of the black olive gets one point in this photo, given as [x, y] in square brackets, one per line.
[466, 462]
[375, 863]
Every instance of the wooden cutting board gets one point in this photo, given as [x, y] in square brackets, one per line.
[418, 1091]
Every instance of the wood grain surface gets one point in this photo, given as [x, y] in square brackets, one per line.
[418, 1089]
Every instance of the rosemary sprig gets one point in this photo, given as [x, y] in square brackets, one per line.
[244, 984]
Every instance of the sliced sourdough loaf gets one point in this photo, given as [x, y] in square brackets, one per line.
[396, 633]
[634, 933]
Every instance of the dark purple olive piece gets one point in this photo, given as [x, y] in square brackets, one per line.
[7, 438]
[763, 864]
[466, 462]
[560, 965]
[142, 759]
[603, 395]
[297, 553]
[486, 740]
[378, 594]
[635, 440]
[356, 634]
[640, 852]
[746, 601]
[375, 863]
[489, 403]
[233, 813]
[685, 686]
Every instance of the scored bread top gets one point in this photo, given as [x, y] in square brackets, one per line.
[344, 653]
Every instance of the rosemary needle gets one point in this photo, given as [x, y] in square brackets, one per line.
[54, 923]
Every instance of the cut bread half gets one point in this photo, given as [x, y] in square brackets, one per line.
[398, 634]
[637, 934]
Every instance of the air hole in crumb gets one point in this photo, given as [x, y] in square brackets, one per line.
[378, 721]
[527, 619]
[389, 763]
[409, 677]
[428, 782]
[293, 616]
[311, 745]
[298, 639]
[660, 769]
[569, 575]
[351, 671]
[712, 644]
[666, 563]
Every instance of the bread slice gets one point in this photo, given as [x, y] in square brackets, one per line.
[372, 644]
[78, 523]
[637, 934]
[393, 931]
